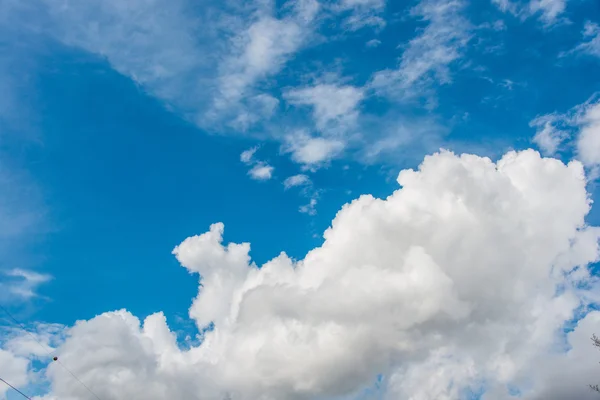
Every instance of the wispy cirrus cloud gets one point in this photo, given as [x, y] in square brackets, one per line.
[307, 190]
[427, 57]
[591, 41]
[548, 11]
[21, 285]
[23, 220]
[361, 13]
[214, 66]
[159, 49]
[258, 51]
[204, 65]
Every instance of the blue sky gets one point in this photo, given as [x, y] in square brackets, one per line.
[123, 124]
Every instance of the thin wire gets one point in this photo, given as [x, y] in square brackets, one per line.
[16, 390]
[23, 327]
[78, 380]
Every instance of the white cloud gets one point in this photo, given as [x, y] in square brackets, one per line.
[13, 369]
[260, 51]
[373, 43]
[258, 108]
[307, 191]
[215, 66]
[581, 123]
[263, 49]
[247, 155]
[40, 341]
[18, 349]
[507, 84]
[310, 208]
[158, 49]
[549, 11]
[261, 172]
[311, 151]
[130, 360]
[19, 284]
[590, 29]
[363, 13]
[588, 142]
[203, 63]
[296, 180]
[334, 106]
[548, 137]
[21, 209]
[428, 56]
[400, 139]
[505, 5]
[412, 287]
[591, 46]
[581, 361]
[364, 4]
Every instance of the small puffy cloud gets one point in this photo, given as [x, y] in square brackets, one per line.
[410, 287]
[247, 155]
[373, 43]
[296, 180]
[332, 104]
[261, 172]
[311, 151]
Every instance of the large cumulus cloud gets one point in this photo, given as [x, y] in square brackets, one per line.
[460, 282]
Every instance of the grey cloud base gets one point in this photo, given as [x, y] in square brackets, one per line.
[447, 287]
